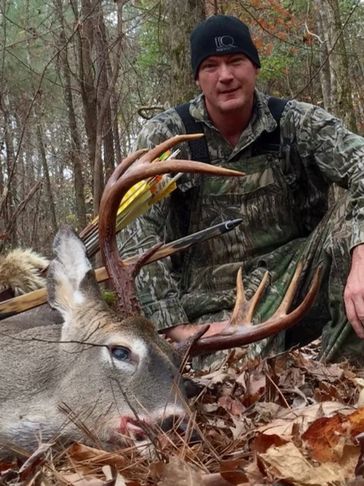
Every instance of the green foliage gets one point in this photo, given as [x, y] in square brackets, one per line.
[275, 66]
[28, 40]
[149, 48]
[109, 297]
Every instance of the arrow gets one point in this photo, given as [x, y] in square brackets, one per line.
[38, 297]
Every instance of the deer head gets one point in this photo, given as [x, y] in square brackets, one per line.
[100, 372]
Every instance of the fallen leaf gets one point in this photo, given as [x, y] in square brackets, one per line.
[262, 442]
[179, 473]
[323, 371]
[231, 405]
[241, 426]
[288, 463]
[300, 419]
[213, 378]
[80, 453]
[327, 436]
[233, 471]
[79, 480]
[255, 387]
[215, 479]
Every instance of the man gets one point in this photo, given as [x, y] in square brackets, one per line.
[282, 201]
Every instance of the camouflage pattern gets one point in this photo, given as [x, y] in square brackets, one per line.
[283, 203]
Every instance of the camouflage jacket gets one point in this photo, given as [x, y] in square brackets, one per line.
[281, 200]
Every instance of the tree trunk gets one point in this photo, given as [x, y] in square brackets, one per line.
[104, 71]
[325, 80]
[8, 197]
[97, 90]
[341, 99]
[182, 16]
[48, 187]
[78, 181]
[86, 75]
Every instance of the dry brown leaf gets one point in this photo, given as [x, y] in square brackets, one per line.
[326, 437]
[288, 463]
[298, 420]
[81, 454]
[76, 479]
[262, 442]
[233, 471]
[324, 372]
[212, 378]
[241, 426]
[279, 427]
[231, 405]
[291, 378]
[215, 479]
[254, 473]
[255, 387]
[179, 473]
[268, 411]
[315, 411]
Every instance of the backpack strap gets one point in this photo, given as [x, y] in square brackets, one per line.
[182, 203]
[276, 107]
[198, 148]
[271, 141]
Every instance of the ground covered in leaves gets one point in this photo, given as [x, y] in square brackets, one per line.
[287, 420]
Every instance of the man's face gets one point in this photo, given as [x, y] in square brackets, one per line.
[227, 82]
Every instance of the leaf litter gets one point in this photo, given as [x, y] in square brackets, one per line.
[284, 420]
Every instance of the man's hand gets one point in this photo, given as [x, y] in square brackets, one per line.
[354, 291]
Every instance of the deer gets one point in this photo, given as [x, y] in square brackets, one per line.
[107, 375]
[21, 271]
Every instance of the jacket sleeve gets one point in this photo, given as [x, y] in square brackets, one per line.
[157, 285]
[338, 153]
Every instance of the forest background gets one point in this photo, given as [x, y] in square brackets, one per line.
[78, 78]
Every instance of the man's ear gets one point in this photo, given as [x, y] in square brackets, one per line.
[197, 83]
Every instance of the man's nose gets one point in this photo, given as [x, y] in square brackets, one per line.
[225, 73]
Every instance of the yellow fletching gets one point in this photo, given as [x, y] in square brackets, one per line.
[139, 199]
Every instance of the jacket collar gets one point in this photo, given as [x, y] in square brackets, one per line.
[261, 120]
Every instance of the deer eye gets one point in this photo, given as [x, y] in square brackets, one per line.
[121, 353]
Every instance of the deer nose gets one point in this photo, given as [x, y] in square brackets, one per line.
[182, 426]
[192, 389]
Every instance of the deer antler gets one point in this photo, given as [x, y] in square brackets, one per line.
[131, 170]
[239, 329]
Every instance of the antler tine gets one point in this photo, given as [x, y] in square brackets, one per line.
[290, 293]
[125, 164]
[226, 335]
[171, 142]
[244, 310]
[129, 172]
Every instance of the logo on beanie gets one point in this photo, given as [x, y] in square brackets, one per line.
[224, 42]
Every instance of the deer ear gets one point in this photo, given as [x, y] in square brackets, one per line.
[71, 279]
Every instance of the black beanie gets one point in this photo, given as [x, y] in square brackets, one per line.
[219, 35]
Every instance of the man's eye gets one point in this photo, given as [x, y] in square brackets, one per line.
[121, 353]
[208, 66]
